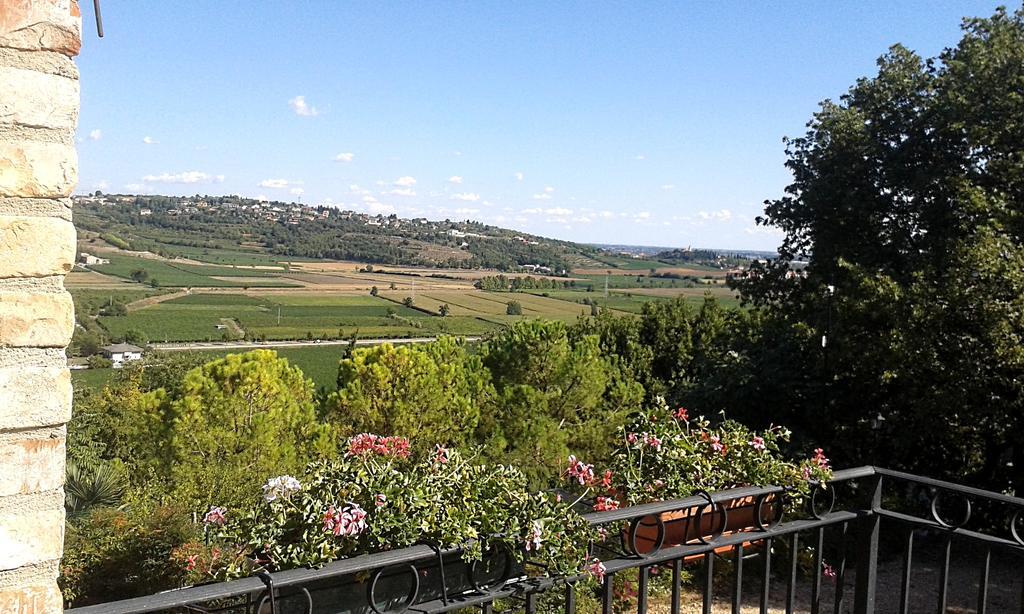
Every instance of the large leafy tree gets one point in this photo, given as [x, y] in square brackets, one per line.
[432, 393]
[908, 204]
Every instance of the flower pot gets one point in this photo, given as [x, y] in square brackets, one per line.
[695, 524]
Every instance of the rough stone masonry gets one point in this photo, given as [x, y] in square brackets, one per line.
[38, 170]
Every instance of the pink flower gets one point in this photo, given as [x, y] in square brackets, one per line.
[631, 438]
[757, 443]
[602, 532]
[717, 445]
[379, 500]
[349, 521]
[597, 569]
[682, 415]
[604, 504]
[580, 471]
[368, 443]
[606, 480]
[807, 473]
[828, 571]
[191, 562]
[819, 458]
[216, 516]
[441, 456]
[534, 537]
[653, 441]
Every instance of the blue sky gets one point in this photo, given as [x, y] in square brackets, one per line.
[643, 123]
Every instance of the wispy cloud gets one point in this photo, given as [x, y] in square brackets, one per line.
[722, 215]
[296, 191]
[278, 184]
[640, 157]
[402, 192]
[668, 186]
[466, 211]
[148, 140]
[405, 182]
[95, 135]
[185, 177]
[548, 189]
[302, 108]
[344, 157]
[519, 175]
[541, 196]
[466, 196]
[559, 211]
[457, 180]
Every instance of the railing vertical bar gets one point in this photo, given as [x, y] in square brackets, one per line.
[908, 563]
[531, 603]
[487, 608]
[709, 581]
[608, 594]
[641, 596]
[766, 576]
[819, 557]
[794, 559]
[944, 575]
[737, 583]
[570, 599]
[677, 586]
[841, 569]
[869, 529]
[983, 582]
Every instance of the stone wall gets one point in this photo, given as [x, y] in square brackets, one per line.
[38, 171]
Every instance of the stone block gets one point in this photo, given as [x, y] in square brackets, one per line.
[33, 461]
[34, 396]
[36, 246]
[37, 169]
[38, 99]
[41, 25]
[36, 319]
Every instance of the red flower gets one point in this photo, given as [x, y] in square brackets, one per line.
[820, 459]
[368, 443]
[441, 456]
[379, 500]
[605, 504]
[757, 443]
[606, 481]
[580, 471]
[191, 562]
[682, 415]
[597, 569]
[653, 441]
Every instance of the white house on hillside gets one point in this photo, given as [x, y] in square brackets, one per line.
[120, 353]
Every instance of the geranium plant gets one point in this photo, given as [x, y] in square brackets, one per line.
[665, 454]
[381, 496]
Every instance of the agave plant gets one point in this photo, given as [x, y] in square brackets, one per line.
[87, 486]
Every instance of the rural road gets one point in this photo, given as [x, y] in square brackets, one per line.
[255, 345]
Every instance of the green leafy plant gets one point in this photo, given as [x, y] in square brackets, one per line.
[381, 496]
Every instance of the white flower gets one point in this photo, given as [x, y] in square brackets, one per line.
[283, 487]
[534, 539]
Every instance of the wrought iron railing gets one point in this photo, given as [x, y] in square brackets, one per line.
[846, 520]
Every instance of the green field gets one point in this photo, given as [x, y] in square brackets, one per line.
[177, 275]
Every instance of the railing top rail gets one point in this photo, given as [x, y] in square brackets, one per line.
[951, 486]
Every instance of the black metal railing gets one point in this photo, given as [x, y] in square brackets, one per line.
[845, 522]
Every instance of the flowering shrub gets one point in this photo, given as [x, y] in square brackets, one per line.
[380, 496]
[664, 454]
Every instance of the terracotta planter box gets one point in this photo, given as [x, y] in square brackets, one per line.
[691, 526]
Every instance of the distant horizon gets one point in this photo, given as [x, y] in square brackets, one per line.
[600, 244]
[658, 123]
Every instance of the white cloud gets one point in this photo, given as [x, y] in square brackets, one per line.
[668, 186]
[344, 157]
[763, 230]
[276, 184]
[296, 191]
[559, 211]
[301, 108]
[531, 211]
[642, 216]
[148, 140]
[582, 219]
[519, 175]
[355, 189]
[455, 179]
[95, 135]
[402, 192]
[185, 177]
[606, 215]
[640, 157]
[457, 153]
[466, 211]
[466, 196]
[541, 196]
[548, 189]
[722, 215]
[405, 182]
